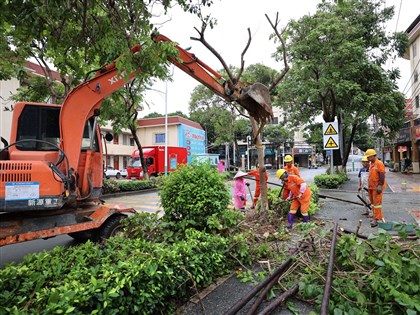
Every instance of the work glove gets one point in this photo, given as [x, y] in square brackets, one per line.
[242, 198]
[247, 184]
[299, 196]
[288, 199]
[379, 189]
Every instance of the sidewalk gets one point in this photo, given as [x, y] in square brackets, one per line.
[401, 202]
[395, 182]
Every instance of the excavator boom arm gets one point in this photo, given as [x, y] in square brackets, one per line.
[81, 103]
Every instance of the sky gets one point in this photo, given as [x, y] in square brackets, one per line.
[230, 36]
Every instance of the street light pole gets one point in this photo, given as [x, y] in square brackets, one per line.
[166, 128]
[166, 124]
[248, 141]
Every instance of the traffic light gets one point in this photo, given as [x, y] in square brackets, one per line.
[249, 142]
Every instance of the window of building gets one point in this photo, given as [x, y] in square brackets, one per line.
[126, 139]
[115, 141]
[414, 50]
[417, 101]
[132, 141]
[159, 138]
[416, 76]
[125, 161]
[275, 121]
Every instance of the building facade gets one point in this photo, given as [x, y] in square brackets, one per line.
[408, 140]
[10, 87]
[182, 132]
[117, 153]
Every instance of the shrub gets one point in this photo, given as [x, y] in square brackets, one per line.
[275, 203]
[330, 181]
[281, 207]
[192, 194]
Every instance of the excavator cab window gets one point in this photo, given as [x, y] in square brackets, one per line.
[88, 133]
[38, 123]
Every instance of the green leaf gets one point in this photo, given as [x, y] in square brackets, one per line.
[379, 263]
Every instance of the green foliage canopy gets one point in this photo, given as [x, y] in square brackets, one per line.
[337, 58]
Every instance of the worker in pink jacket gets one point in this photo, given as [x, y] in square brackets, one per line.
[239, 192]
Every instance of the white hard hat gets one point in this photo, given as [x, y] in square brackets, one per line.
[240, 174]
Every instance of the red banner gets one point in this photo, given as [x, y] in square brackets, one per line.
[417, 132]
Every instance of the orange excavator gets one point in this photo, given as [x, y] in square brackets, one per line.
[51, 173]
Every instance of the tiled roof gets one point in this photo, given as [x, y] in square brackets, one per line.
[172, 120]
[37, 69]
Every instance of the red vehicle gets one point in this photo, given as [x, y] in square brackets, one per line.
[154, 157]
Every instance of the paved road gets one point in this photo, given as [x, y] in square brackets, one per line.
[404, 205]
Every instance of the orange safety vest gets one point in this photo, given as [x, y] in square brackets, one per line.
[293, 185]
[374, 170]
[292, 170]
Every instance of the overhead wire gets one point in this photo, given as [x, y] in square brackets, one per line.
[409, 80]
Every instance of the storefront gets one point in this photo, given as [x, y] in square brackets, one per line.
[416, 145]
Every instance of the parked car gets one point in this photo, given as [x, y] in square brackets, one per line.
[112, 172]
[268, 166]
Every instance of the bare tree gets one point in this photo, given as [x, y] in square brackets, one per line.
[254, 98]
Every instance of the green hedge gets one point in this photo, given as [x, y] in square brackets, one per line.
[330, 181]
[155, 265]
[113, 186]
[125, 276]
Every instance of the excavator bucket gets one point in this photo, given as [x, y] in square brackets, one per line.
[256, 100]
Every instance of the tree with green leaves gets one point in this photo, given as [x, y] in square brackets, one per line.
[313, 135]
[78, 37]
[338, 56]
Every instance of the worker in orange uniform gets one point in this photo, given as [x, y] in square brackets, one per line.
[256, 174]
[289, 167]
[299, 194]
[291, 170]
[376, 185]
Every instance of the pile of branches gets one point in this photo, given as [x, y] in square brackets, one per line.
[380, 275]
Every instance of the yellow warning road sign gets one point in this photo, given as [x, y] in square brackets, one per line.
[331, 144]
[330, 135]
[330, 131]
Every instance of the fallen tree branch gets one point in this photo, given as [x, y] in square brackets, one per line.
[280, 299]
[328, 281]
[235, 308]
